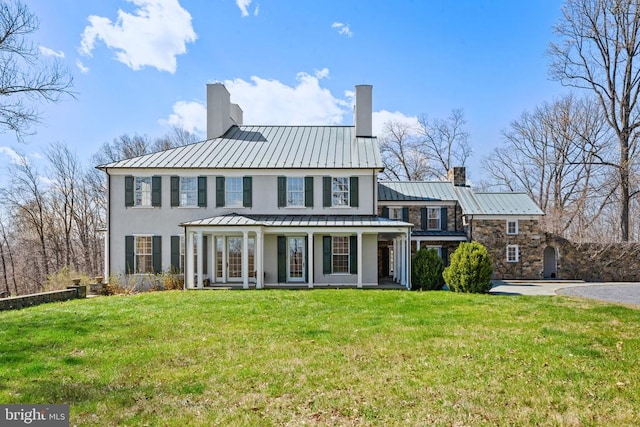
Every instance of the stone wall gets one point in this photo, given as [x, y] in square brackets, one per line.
[595, 262]
[415, 217]
[493, 235]
[13, 303]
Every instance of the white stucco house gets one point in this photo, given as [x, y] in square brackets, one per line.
[257, 206]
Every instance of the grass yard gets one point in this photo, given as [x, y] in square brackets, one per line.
[326, 357]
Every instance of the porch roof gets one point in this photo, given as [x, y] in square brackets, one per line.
[298, 221]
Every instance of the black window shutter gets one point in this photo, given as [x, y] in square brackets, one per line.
[128, 190]
[306, 259]
[444, 255]
[247, 192]
[282, 259]
[156, 191]
[205, 255]
[326, 254]
[423, 218]
[353, 192]
[129, 254]
[156, 254]
[282, 191]
[385, 212]
[308, 191]
[444, 220]
[175, 191]
[175, 254]
[202, 191]
[326, 191]
[405, 214]
[353, 254]
[219, 191]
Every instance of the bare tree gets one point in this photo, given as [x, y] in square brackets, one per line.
[7, 255]
[445, 142]
[401, 154]
[552, 154]
[599, 49]
[24, 75]
[177, 137]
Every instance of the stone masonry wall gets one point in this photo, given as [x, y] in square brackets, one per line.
[415, 217]
[493, 235]
[596, 262]
[13, 303]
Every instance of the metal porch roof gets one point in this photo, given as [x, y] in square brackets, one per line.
[404, 191]
[298, 221]
[260, 147]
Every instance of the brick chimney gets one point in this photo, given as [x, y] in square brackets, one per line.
[221, 113]
[363, 111]
[458, 175]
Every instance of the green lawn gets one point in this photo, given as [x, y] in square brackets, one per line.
[326, 357]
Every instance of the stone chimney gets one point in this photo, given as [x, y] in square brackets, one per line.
[221, 113]
[363, 111]
[458, 176]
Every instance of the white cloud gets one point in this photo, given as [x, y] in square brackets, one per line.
[153, 35]
[243, 5]
[256, 11]
[50, 52]
[14, 157]
[190, 116]
[342, 29]
[382, 117]
[80, 65]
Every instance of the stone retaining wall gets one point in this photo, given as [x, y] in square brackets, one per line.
[14, 303]
[596, 262]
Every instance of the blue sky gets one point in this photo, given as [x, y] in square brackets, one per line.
[141, 66]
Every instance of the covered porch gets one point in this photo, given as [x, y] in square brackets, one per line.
[281, 251]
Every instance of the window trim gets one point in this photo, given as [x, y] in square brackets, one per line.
[287, 191]
[347, 193]
[437, 209]
[181, 192]
[347, 255]
[516, 249]
[240, 204]
[142, 192]
[135, 253]
[517, 227]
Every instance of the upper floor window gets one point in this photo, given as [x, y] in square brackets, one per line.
[395, 213]
[339, 191]
[234, 192]
[188, 191]
[433, 219]
[295, 192]
[513, 253]
[512, 227]
[142, 191]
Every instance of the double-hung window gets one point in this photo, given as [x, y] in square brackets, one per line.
[142, 191]
[395, 213]
[295, 192]
[143, 254]
[340, 192]
[188, 191]
[340, 254]
[233, 192]
[513, 253]
[512, 227]
[433, 218]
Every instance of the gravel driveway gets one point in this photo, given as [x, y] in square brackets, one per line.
[625, 293]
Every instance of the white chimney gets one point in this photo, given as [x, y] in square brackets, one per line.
[364, 111]
[219, 117]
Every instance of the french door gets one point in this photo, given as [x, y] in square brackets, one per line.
[296, 259]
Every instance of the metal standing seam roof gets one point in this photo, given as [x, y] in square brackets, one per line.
[262, 147]
[505, 204]
[403, 191]
[298, 221]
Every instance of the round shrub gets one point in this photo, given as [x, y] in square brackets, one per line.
[426, 270]
[470, 269]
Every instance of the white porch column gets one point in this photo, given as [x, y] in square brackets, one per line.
[396, 255]
[224, 259]
[403, 264]
[200, 252]
[245, 259]
[310, 259]
[211, 249]
[188, 268]
[359, 259]
[259, 255]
